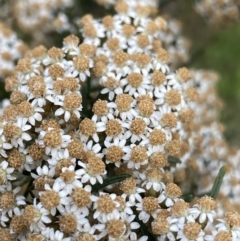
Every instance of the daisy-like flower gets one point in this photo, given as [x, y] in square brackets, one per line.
[167, 118]
[221, 235]
[26, 69]
[88, 128]
[94, 150]
[130, 191]
[123, 12]
[87, 231]
[125, 207]
[50, 234]
[5, 173]
[54, 198]
[61, 155]
[71, 219]
[204, 211]
[115, 152]
[19, 160]
[54, 56]
[102, 112]
[93, 32]
[140, 43]
[120, 63]
[82, 198]
[17, 133]
[79, 67]
[39, 90]
[29, 112]
[153, 180]
[146, 110]
[54, 140]
[130, 225]
[106, 207]
[191, 232]
[170, 195]
[136, 155]
[112, 25]
[70, 104]
[157, 138]
[69, 178]
[124, 107]
[136, 129]
[168, 96]
[92, 171]
[112, 85]
[10, 201]
[4, 146]
[35, 216]
[157, 80]
[160, 61]
[114, 130]
[136, 84]
[181, 213]
[148, 207]
[164, 227]
[181, 77]
[70, 45]
[142, 65]
[43, 176]
[230, 223]
[112, 45]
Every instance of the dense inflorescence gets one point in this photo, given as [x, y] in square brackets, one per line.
[11, 50]
[112, 107]
[218, 12]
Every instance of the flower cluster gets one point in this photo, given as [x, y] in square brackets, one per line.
[218, 12]
[112, 107]
[11, 50]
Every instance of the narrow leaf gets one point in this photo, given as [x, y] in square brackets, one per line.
[218, 182]
[109, 181]
[173, 160]
[145, 231]
[187, 197]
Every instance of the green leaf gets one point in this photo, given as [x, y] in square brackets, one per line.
[109, 181]
[173, 160]
[187, 197]
[145, 231]
[218, 182]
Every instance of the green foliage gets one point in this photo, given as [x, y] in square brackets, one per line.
[109, 181]
[218, 182]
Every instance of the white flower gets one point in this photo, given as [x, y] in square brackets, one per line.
[93, 149]
[43, 171]
[106, 207]
[63, 199]
[191, 232]
[112, 84]
[12, 207]
[50, 234]
[67, 108]
[134, 195]
[53, 145]
[4, 146]
[69, 178]
[5, 173]
[92, 171]
[61, 155]
[40, 216]
[22, 136]
[116, 145]
[130, 225]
